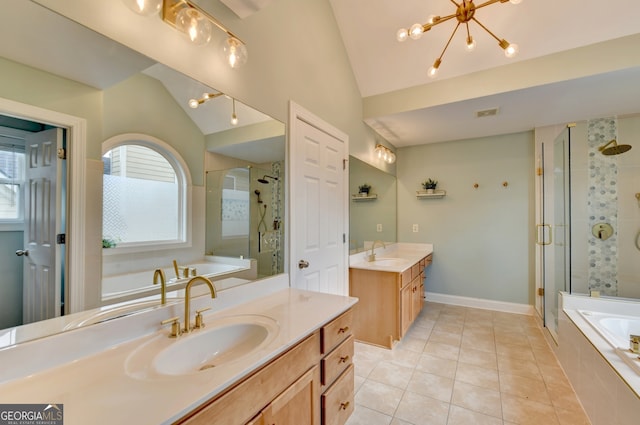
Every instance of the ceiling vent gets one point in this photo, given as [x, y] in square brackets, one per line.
[487, 113]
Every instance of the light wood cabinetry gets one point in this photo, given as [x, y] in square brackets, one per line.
[389, 302]
[311, 384]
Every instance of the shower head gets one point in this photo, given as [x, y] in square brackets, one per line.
[264, 180]
[615, 149]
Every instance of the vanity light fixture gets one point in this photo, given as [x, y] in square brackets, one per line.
[194, 103]
[385, 154]
[196, 23]
[465, 12]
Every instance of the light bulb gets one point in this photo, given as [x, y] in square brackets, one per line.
[144, 7]
[515, 1]
[471, 44]
[234, 52]
[194, 25]
[511, 50]
[415, 32]
[433, 71]
[402, 34]
[432, 19]
[193, 103]
[234, 119]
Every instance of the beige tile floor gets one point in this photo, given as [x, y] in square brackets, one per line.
[461, 365]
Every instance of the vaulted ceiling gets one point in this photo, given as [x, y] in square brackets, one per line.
[578, 60]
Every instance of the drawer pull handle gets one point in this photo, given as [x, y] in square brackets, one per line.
[343, 330]
[344, 359]
[343, 406]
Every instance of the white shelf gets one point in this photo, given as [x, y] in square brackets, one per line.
[436, 194]
[358, 197]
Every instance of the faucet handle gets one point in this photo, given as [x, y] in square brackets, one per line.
[199, 320]
[175, 326]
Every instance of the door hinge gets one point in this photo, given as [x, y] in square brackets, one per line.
[344, 164]
[61, 238]
[62, 153]
[539, 171]
[344, 238]
[541, 292]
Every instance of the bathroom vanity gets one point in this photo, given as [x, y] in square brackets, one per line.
[286, 358]
[390, 290]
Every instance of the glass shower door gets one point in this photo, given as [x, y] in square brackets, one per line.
[556, 217]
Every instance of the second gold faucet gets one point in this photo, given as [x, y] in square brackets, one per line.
[187, 301]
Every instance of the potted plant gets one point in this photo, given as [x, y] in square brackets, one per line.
[430, 185]
[364, 189]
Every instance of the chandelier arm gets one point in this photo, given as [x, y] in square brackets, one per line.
[468, 32]
[427, 27]
[486, 29]
[448, 42]
[454, 2]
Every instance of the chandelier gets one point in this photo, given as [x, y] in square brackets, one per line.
[465, 12]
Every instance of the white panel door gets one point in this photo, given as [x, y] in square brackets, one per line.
[42, 283]
[319, 216]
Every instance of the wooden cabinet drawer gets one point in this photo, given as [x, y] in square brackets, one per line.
[415, 270]
[405, 278]
[338, 400]
[336, 361]
[336, 331]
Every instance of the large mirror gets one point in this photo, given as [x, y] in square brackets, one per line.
[62, 67]
[372, 215]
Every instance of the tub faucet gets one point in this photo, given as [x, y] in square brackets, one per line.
[159, 273]
[372, 256]
[187, 299]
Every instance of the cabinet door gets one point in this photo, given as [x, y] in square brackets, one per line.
[406, 307]
[297, 404]
[416, 298]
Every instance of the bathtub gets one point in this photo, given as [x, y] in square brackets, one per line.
[593, 349]
[123, 286]
[616, 330]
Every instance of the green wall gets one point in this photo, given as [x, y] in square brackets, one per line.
[483, 238]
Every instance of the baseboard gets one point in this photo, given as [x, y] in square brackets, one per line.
[480, 303]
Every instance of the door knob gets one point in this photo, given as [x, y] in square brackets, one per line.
[22, 252]
[302, 264]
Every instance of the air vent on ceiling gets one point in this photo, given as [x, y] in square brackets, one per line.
[487, 113]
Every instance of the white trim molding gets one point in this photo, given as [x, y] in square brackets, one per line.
[482, 303]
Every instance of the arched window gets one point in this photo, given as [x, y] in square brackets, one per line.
[145, 200]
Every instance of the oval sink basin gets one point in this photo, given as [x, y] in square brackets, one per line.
[113, 312]
[225, 340]
[390, 262]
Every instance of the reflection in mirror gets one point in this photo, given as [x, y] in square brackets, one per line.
[371, 217]
[244, 215]
[62, 67]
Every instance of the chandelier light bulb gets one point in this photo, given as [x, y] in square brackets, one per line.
[511, 50]
[433, 71]
[415, 32]
[234, 119]
[515, 1]
[471, 44]
[402, 34]
[432, 19]
[193, 103]
[144, 7]
[235, 52]
[194, 25]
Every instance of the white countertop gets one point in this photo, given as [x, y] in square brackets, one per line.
[97, 389]
[409, 253]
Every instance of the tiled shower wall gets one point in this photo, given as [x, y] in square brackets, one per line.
[602, 207]
[603, 189]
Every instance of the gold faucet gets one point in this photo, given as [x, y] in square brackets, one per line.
[187, 299]
[159, 273]
[372, 256]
